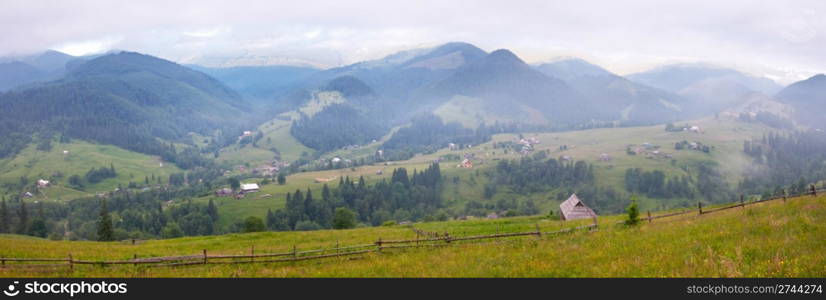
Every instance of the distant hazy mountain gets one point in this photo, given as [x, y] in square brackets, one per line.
[808, 98]
[395, 76]
[499, 86]
[614, 97]
[676, 78]
[709, 89]
[127, 99]
[508, 87]
[571, 68]
[18, 71]
[259, 83]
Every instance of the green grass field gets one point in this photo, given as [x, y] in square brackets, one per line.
[773, 239]
[82, 156]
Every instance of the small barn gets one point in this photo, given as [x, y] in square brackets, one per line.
[573, 209]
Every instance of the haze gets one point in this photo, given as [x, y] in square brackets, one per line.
[782, 41]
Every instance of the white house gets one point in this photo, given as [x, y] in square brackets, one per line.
[42, 183]
[249, 188]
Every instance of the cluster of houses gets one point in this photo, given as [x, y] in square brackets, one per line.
[245, 134]
[649, 150]
[269, 169]
[455, 147]
[528, 144]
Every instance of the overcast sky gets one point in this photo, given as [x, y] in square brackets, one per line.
[784, 40]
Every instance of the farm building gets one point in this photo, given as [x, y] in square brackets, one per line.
[42, 183]
[249, 188]
[573, 209]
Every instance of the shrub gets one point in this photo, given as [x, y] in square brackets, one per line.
[254, 224]
[344, 218]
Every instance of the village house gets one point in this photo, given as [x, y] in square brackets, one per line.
[573, 209]
[249, 188]
[41, 183]
[604, 157]
[466, 163]
[493, 215]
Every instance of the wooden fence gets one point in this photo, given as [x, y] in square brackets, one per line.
[430, 240]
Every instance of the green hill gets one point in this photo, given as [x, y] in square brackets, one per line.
[57, 167]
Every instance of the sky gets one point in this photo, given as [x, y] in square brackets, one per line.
[782, 40]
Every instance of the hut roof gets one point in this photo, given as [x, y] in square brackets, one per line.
[573, 209]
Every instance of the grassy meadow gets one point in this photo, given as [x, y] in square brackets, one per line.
[82, 156]
[772, 239]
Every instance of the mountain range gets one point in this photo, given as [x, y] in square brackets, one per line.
[126, 97]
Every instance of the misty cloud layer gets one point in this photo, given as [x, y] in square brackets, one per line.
[781, 40]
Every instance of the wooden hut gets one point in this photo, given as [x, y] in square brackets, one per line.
[573, 209]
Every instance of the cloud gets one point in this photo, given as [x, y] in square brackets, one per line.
[88, 47]
[623, 36]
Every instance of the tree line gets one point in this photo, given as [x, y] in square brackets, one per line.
[404, 197]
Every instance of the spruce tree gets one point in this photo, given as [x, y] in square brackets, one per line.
[4, 217]
[23, 219]
[633, 212]
[212, 210]
[105, 231]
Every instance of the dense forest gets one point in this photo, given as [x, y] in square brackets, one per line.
[133, 214]
[785, 161]
[405, 197]
[334, 127]
[427, 133]
[655, 184]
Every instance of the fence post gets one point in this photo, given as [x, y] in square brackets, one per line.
[294, 252]
[133, 242]
[742, 204]
[700, 206]
[252, 253]
[813, 189]
[71, 263]
[596, 225]
[538, 232]
[649, 216]
[135, 259]
[784, 195]
[205, 256]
